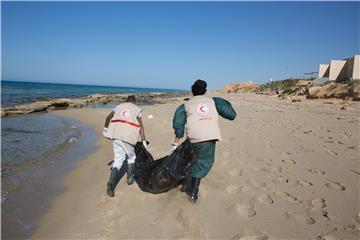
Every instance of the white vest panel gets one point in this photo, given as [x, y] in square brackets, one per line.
[124, 124]
[202, 119]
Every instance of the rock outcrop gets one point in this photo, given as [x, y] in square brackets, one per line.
[300, 87]
[336, 90]
[91, 100]
[239, 87]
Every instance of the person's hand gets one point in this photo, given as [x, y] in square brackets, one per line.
[174, 146]
[144, 144]
[106, 132]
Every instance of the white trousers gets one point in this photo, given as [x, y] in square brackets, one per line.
[123, 151]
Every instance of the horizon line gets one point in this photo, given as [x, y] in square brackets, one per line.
[95, 85]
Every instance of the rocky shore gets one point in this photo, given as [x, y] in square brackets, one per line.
[297, 89]
[89, 101]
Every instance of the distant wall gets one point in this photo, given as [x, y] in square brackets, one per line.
[337, 70]
[356, 67]
[323, 70]
[349, 67]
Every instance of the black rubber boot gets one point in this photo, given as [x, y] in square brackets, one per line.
[195, 183]
[186, 186]
[113, 180]
[130, 173]
[110, 189]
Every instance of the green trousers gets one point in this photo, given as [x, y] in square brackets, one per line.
[204, 153]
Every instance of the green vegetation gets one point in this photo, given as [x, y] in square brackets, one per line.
[286, 86]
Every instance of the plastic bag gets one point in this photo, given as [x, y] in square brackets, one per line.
[164, 174]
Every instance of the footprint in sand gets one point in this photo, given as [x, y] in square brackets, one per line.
[269, 145]
[304, 183]
[245, 209]
[250, 235]
[347, 135]
[262, 170]
[333, 152]
[288, 197]
[257, 184]
[254, 237]
[266, 161]
[276, 170]
[327, 237]
[308, 131]
[356, 218]
[335, 185]
[351, 147]
[235, 172]
[265, 199]
[317, 203]
[182, 220]
[325, 214]
[303, 218]
[236, 237]
[233, 189]
[316, 171]
[257, 135]
[352, 229]
[289, 161]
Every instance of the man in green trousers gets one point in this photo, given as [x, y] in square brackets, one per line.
[198, 117]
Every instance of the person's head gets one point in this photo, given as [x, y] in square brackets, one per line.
[131, 98]
[199, 87]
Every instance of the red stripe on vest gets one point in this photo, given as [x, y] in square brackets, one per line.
[127, 122]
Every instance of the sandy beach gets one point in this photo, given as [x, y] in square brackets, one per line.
[284, 170]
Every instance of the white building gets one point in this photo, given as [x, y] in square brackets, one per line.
[339, 70]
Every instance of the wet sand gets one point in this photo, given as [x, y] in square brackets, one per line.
[31, 183]
[284, 170]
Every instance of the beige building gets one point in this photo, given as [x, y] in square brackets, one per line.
[323, 70]
[339, 70]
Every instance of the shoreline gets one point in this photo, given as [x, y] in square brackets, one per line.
[143, 99]
[93, 100]
[305, 172]
[40, 182]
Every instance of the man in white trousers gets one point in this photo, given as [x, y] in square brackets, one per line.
[124, 125]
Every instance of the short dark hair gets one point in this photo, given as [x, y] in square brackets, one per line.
[199, 87]
[131, 98]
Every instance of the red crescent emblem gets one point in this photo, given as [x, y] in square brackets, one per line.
[125, 113]
[202, 109]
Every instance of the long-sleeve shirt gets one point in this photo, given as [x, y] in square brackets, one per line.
[223, 107]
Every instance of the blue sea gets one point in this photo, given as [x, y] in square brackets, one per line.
[13, 93]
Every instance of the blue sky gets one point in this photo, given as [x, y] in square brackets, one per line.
[171, 44]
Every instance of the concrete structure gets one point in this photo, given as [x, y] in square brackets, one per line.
[323, 70]
[340, 70]
[336, 70]
[353, 67]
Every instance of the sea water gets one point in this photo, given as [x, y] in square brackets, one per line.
[36, 150]
[28, 141]
[13, 93]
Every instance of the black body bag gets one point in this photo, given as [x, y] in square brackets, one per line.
[164, 174]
